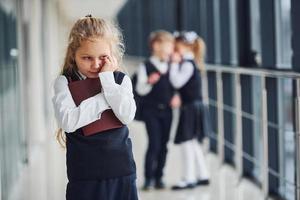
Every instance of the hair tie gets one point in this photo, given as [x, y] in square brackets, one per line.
[186, 36]
[176, 34]
[89, 15]
[191, 36]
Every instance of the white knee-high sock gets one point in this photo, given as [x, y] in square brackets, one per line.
[201, 168]
[188, 162]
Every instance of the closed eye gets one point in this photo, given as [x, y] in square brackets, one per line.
[103, 56]
[87, 58]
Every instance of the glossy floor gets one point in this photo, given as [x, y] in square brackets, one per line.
[45, 178]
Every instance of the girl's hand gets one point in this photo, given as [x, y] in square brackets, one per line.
[153, 78]
[175, 101]
[109, 64]
[176, 57]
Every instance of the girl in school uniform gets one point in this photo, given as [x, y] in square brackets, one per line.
[188, 59]
[100, 166]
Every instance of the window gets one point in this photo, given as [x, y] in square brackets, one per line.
[12, 145]
[286, 139]
[257, 134]
[233, 32]
[283, 34]
[217, 31]
[255, 31]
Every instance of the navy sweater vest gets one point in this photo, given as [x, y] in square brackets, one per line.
[100, 156]
[191, 91]
[161, 92]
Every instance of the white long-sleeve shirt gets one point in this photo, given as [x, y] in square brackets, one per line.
[143, 87]
[180, 75]
[117, 97]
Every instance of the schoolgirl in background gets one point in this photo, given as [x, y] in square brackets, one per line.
[188, 60]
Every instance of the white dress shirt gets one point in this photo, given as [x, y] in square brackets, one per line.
[143, 87]
[117, 97]
[180, 75]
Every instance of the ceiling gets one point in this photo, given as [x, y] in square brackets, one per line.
[74, 9]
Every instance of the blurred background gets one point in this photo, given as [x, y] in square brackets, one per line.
[253, 60]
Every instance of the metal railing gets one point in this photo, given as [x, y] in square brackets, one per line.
[236, 72]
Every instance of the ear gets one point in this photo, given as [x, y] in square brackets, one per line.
[155, 46]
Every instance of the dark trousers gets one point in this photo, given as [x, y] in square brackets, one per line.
[158, 125]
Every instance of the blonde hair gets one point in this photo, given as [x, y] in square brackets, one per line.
[160, 36]
[90, 28]
[197, 46]
[199, 50]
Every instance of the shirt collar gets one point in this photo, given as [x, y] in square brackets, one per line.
[81, 76]
[188, 56]
[161, 66]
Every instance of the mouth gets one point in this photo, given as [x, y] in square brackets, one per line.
[93, 74]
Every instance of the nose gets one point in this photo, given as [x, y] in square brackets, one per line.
[96, 63]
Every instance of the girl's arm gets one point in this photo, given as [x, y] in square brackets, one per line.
[119, 97]
[142, 86]
[71, 117]
[179, 76]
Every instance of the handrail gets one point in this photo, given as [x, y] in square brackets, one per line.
[253, 71]
[263, 74]
[239, 154]
[239, 69]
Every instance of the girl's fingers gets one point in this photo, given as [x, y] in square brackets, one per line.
[109, 58]
[109, 64]
[106, 59]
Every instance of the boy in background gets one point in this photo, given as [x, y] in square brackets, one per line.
[153, 85]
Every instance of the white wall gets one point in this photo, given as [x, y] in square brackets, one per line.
[41, 42]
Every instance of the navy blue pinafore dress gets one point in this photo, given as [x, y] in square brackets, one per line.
[192, 118]
[101, 166]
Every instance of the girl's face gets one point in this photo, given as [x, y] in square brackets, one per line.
[181, 48]
[163, 50]
[90, 55]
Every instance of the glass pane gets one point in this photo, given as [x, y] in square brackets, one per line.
[283, 33]
[233, 32]
[217, 36]
[11, 132]
[255, 31]
[287, 143]
[257, 135]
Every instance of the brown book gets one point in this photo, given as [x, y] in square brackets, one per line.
[83, 89]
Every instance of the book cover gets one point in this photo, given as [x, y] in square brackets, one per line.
[83, 89]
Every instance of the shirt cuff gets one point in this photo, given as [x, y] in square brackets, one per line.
[107, 79]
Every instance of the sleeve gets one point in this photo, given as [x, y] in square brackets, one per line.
[142, 86]
[119, 97]
[179, 76]
[71, 117]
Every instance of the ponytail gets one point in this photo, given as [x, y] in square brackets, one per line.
[199, 50]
